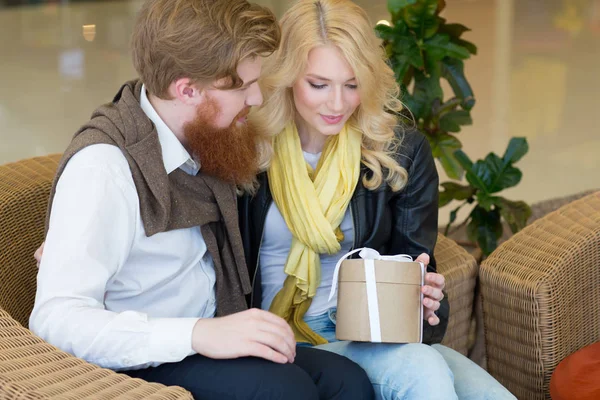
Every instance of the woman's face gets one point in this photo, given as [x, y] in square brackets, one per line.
[326, 94]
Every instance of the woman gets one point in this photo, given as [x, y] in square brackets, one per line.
[345, 175]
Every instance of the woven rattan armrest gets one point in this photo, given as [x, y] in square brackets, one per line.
[32, 369]
[460, 270]
[541, 297]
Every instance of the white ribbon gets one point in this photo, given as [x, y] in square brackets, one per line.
[372, 301]
[366, 253]
[369, 255]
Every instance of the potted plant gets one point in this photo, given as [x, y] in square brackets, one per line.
[424, 49]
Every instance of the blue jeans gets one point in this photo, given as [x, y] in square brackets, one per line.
[412, 371]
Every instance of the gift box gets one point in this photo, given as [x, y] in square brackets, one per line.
[379, 298]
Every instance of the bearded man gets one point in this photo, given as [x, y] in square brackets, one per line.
[143, 269]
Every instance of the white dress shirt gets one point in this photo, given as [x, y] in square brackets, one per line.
[275, 249]
[105, 291]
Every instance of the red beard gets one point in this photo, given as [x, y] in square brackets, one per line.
[229, 154]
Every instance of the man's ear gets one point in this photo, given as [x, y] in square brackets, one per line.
[187, 92]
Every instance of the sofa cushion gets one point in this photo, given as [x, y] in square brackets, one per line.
[578, 376]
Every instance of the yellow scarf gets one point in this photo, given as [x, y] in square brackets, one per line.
[313, 205]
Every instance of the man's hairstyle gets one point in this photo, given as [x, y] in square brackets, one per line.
[203, 40]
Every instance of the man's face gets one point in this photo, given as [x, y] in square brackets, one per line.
[234, 105]
[220, 136]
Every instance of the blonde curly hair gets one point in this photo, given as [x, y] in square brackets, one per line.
[311, 23]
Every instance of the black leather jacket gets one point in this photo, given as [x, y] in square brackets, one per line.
[404, 222]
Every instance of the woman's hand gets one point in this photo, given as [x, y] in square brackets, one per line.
[432, 292]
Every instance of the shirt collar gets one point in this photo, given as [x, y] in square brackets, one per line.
[174, 154]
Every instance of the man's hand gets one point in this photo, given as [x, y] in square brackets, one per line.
[254, 333]
[432, 292]
[38, 254]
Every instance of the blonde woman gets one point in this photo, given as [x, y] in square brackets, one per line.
[345, 175]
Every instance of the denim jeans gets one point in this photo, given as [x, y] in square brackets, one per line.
[412, 371]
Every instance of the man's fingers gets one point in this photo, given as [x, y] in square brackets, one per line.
[257, 349]
[280, 332]
[270, 318]
[274, 319]
[276, 342]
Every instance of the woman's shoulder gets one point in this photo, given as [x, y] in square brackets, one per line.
[412, 145]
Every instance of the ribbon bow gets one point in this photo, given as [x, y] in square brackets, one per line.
[366, 253]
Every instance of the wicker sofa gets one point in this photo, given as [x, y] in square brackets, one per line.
[33, 369]
[541, 297]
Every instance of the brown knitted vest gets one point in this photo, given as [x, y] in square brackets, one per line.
[172, 201]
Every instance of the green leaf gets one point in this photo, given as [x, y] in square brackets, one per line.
[425, 91]
[453, 30]
[400, 67]
[456, 51]
[400, 28]
[408, 76]
[443, 147]
[489, 169]
[447, 124]
[451, 121]
[494, 175]
[441, 6]
[436, 47]
[453, 215]
[485, 228]
[462, 117]
[443, 199]
[499, 175]
[407, 49]
[433, 67]
[421, 17]
[515, 213]
[441, 141]
[453, 72]
[440, 46]
[384, 32]
[449, 105]
[464, 160]
[395, 6]
[476, 176]
[432, 88]
[486, 201]
[390, 33]
[451, 165]
[417, 108]
[499, 172]
[454, 191]
[471, 48]
[517, 148]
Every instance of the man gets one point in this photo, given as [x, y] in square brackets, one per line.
[143, 268]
